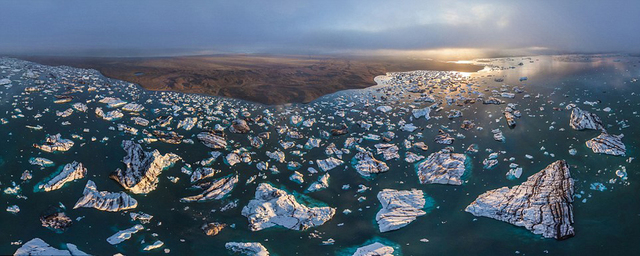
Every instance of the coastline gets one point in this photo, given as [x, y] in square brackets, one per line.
[266, 80]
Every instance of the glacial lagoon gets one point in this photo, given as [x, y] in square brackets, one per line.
[396, 122]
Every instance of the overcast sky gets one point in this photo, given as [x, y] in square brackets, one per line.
[157, 27]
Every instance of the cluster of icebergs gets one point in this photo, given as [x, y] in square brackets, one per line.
[246, 145]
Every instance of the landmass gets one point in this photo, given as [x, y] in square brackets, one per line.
[271, 80]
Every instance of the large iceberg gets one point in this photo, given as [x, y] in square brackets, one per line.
[366, 164]
[212, 139]
[275, 207]
[607, 144]
[37, 246]
[55, 143]
[143, 168]
[329, 163]
[542, 204]
[399, 208]
[581, 119]
[70, 172]
[123, 235]
[218, 189]
[374, 249]
[249, 249]
[105, 201]
[442, 168]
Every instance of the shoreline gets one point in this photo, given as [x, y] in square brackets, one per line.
[259, 79]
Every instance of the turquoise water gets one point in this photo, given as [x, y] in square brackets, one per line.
[605, 224]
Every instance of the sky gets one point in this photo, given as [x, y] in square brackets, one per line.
[158, 27]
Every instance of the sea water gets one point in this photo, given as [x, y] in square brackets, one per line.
[606, 222]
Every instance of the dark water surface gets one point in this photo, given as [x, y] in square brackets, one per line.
[606, 222]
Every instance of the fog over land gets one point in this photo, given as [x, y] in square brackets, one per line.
[154, 28]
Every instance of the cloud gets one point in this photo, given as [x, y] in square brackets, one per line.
[157, 27]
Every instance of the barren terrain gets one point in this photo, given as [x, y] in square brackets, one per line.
[264, 79]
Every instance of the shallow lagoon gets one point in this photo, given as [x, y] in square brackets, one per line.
[606, 223]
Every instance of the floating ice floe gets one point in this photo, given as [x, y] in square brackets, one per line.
[123, 235]
[249, 249]
[70, 172]
[109, 116]
[213, 228]
[497, 135]
[607, 144]
[144, 218]
[581, 119]
[410, 127]
[399, 208]
[442, 168]
[454, 113]
[239, 126]
[187, 123]
[297, 177]
[55, 143]
[216, 191]
[384, 109]
[112, 102]
[423, 112]
[374, 249]
[256, 141]
[142, 168]
[41, 161]
[170, 137]
[202, 173]
[514, 173]
[467, 125]
[308, 123]
[340, 131]
[511, 118]
[56, 221]
[153, 246]
[214, 140]
[37, 246]
[492, 100]
[312, 143]
[421, 145]
[322, 183]
[65, 113]
[105, 201]
[490, 161]
[140, 121]
[388, 151]
[13, 209]
[597, 186]
[366, 164]
[232, 159]
[164, 121]
[444, 138]
[5, 81]
[275, 207]
[411, 157]
[507, 95]
[127, 129]
[542, 204]
[132, 107]
[277, 155]
[296, 120]
[329, 163]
